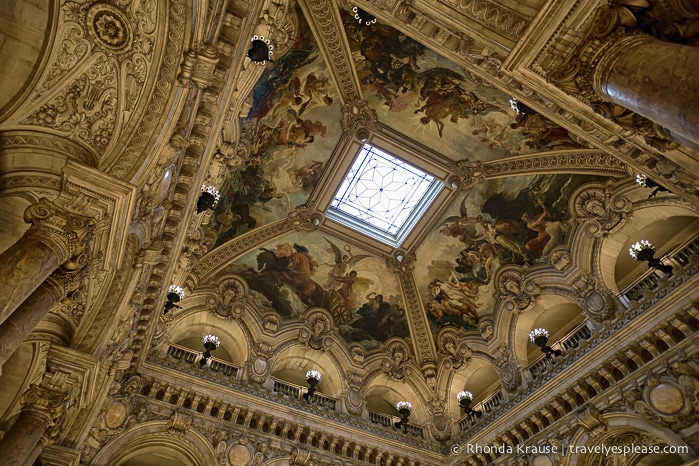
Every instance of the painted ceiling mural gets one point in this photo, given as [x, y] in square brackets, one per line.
[300, 271]
[429, 99]
[294, 123]
[295, 119]
[511, 221]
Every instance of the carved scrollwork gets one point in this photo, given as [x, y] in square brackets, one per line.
[66, 231]
[357, 115]
[504, 361]
[259, 366]
[304, 219]
[467, 174]
[440, 426]
[179, 423]
[596, 301]
[354, 395]
[317, 332]
[452, 350]
[229, 292]
[600, 210]
[518, 294]
[395, 362]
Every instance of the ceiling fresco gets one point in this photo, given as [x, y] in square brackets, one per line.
[510, 221]
[294, 123]
[294, 120]
[426, 97]
[300, 271]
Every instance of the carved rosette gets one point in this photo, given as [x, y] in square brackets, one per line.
[86, 108]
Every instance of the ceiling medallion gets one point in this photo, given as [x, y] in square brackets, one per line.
[110, 27]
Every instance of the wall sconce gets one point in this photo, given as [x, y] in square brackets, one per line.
[261, 50]
[363, 17]
[644, 251]
[404, 408]
[211, 342]
[208, 198]
[175, 294]
[646, 182]
[540, 337]
[465, 398]
[313, 379]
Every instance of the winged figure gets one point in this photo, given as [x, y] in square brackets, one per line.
[342, 263]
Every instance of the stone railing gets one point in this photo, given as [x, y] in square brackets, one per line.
[389, 421]
[182, 353]
[649, 281]
[487, 405]
[568, 342]
[296, 391]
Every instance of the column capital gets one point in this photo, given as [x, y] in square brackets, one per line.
[46, 403]
[64, 231]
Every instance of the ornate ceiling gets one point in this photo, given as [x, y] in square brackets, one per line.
[531, 229]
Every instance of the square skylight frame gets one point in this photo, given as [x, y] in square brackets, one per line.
[378, 170]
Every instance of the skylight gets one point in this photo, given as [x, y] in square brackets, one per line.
[383, 196]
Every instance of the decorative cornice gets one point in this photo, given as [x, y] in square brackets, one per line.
[325, 21]
[587, 161]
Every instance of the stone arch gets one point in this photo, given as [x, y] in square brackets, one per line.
[480, 377]
[382, 387]
[189, 329]
[26, 30]
[555, 312]
[293, 361]
[18, 372]
[188, 447]
[623, 423]
[649, 217]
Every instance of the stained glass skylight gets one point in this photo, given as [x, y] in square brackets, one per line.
[383, 196]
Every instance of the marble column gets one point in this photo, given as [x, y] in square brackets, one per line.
[27, 316]
[55, 238]
[41, 411]
[656, 79]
